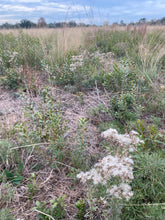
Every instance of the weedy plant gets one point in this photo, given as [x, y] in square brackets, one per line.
[80, 145]
[122, 78]
[45, 123]
[56, 211]
[14, 176]
[32, 186]
[80, 205]
[82, 71]
[124, 108]
[154, 140]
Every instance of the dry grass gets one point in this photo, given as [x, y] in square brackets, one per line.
[66, 39]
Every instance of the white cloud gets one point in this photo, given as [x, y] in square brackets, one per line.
[10, 21]
[128, 10]
[26, 1]
[16, 8]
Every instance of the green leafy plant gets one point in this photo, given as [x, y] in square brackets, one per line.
[32, 186]
[80, 205]
[153, 138]
[124, 108]
[57, 209]
[122, 78]
[11, 80]
[15, 176]
[45, 123]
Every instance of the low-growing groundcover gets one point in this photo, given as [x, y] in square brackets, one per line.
[54, 161]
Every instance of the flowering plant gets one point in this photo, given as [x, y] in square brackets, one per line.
[114, 172]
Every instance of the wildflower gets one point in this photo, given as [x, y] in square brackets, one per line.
[124, 140]
[121, 191]
[111, 167]
[108, 167]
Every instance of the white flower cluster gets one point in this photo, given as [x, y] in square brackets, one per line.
[124, 140]
[117, 166]
[121, 191]
[104, 59]
[77, 62]
[108, 167]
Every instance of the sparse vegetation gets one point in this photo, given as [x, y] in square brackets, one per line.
[59, 91]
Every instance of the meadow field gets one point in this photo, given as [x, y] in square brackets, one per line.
[82, 123]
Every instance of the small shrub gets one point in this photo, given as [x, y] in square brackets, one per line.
[153, 138]
[45, 123]
[124, 108]
[11, 80]
[122, 78]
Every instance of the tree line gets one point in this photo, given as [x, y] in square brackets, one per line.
[24, 23]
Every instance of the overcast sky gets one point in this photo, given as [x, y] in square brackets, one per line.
[88, 11]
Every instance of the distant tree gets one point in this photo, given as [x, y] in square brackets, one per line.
[72, 24]
[41, 23]
[82, 24]
[52, 25]
[17, 25]
[122, 23]
[162, 21]
[152, 22]
[26, 24]
[7, 26]
[142, 21]
[132, 23]
[61, 24]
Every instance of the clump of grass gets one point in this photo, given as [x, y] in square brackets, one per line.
[6, 194]
[150, 53]
[19, 60]
[5, 214]
[148, 187]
